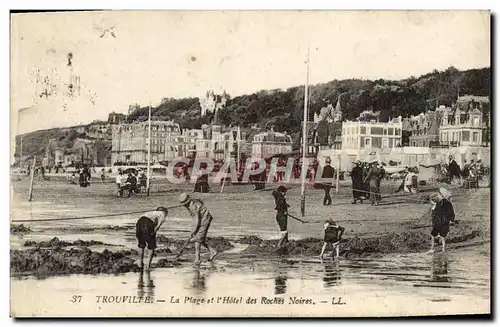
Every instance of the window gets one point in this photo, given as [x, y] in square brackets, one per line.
[398, 131]
[376, 142]
[391, 143]
[476, 121]
[367, 142]
[475, 137]
[377, 131]
[362, 144]
[362, 130]
[414, 143]
[391, 131]
[385, 131]
[385, 143]
[466, 136]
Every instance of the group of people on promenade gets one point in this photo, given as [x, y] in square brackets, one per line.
[131, 181]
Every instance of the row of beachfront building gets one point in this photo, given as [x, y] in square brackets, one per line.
[463, 124]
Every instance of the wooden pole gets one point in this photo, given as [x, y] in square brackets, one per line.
[21, 160]
[223, 182]
[30, 195]
[148, 180]
[304, 141]
[338, 174]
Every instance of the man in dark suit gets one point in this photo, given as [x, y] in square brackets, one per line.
[327, 179]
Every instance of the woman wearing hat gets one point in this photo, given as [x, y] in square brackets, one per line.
[198, 210]
[442, 215]
[357, 182]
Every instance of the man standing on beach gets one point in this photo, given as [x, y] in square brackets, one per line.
[372, 177]
[145, 231]
[199, 211]
[442, 216]
[327, 181]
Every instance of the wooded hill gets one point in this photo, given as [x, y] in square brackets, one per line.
[283, 108]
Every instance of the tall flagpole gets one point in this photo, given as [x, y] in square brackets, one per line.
[238, 136]
[304, 141]
[21, 153]
[148, 181]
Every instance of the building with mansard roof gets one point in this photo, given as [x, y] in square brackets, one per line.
[130, 142]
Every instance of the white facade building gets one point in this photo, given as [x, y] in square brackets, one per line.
[371, 135]
[270, 143]
[218, 143]
[461, 128]
[130, 142]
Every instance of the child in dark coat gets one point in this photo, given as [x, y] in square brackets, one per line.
[442, 216]
[281, 213]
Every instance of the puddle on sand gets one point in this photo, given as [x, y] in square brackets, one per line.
[392, 285]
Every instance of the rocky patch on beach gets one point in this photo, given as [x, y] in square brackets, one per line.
[56, 243]
[409, 241]
[19, 229]
[41, 261]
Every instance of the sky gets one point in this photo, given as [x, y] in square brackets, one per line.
[158, 54]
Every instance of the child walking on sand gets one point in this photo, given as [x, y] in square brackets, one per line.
[443, 216]
[146, 228]
[333, 235]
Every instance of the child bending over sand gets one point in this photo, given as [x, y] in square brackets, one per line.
[145, 231]
[333, 235]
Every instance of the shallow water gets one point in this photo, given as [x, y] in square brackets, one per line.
[398, 284]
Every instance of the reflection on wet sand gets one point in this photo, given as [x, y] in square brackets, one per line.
[280, 283]
[439, 268]
[150, 286]
[332, 275]
[198, 282]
